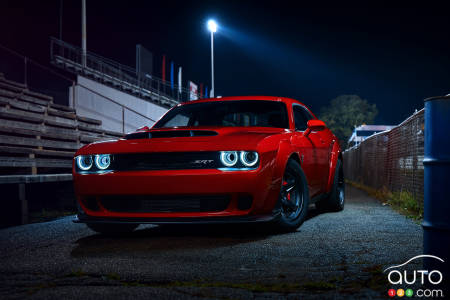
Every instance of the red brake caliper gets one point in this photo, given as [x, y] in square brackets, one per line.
[288, 196]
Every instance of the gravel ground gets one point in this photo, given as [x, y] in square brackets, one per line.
[331, 256]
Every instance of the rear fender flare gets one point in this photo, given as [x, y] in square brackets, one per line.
[334, 156]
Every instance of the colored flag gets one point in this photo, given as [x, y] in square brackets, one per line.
[164, 69]
[179, 80]
[193, 91]
[201, 90]
[171, 75]
[206, 91]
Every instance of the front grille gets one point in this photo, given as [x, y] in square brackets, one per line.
[166, 161]
[176, 203]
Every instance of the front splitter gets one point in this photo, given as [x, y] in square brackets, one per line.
[81, 218]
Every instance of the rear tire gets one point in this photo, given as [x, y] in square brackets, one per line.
[293, 199]
[112, 229]
[336, 200]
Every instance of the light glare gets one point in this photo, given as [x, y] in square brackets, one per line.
[212, 26]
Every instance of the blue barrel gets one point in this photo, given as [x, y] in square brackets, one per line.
[436, 221]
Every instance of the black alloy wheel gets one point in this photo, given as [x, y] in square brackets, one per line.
[290, 196]
[293, 199]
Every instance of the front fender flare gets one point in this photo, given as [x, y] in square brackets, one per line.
[285, 151]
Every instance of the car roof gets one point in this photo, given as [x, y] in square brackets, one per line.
[288, 101]
[256, 98]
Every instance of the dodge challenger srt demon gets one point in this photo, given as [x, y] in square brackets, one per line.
[234, 159]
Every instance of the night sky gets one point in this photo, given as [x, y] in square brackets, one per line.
[392, 56]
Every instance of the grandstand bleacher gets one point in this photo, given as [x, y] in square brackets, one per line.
[38, 139]
[38, 136]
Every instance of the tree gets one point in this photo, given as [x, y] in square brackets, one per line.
[345, 112]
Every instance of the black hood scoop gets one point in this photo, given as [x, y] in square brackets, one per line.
[169, 134]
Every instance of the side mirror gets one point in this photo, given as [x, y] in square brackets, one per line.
[143, 128]
[314, 125]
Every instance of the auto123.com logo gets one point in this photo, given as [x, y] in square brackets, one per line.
[400, 277]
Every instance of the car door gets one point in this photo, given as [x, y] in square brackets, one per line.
[308, 149]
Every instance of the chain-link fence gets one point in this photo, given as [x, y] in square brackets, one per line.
[390, 160]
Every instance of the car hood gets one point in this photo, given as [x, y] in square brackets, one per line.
[187, 139]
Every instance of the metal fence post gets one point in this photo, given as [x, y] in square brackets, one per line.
[436, 223]
[74, 100]
[159, 93]
[123, 119]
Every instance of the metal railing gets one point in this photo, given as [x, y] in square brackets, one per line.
[112, 73]
[45, 80]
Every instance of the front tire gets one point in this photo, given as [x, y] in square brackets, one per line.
[293, 199]
[336, 200]
[112, 229]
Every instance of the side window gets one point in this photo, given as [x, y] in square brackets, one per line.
[308, 114]
[179, 120]
[301, 118]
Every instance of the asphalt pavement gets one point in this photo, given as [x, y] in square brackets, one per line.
[331, 256]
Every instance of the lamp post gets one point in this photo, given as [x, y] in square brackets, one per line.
[212, 27]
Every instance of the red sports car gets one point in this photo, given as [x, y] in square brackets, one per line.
[234, 159]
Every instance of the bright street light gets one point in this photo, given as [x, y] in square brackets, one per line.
[212, 27]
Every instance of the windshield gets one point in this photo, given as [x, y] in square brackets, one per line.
[227, 113]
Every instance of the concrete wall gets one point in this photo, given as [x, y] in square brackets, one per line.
[92, 105]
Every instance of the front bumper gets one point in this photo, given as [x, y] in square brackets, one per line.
[257, 184]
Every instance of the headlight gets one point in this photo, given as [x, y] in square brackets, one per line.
[229, 158]
[249, 159]
[102, 161]
[84, 162]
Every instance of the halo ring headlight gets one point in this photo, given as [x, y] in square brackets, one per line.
[102, 161]
[84, 162]
[229, 158]
[249, 158]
